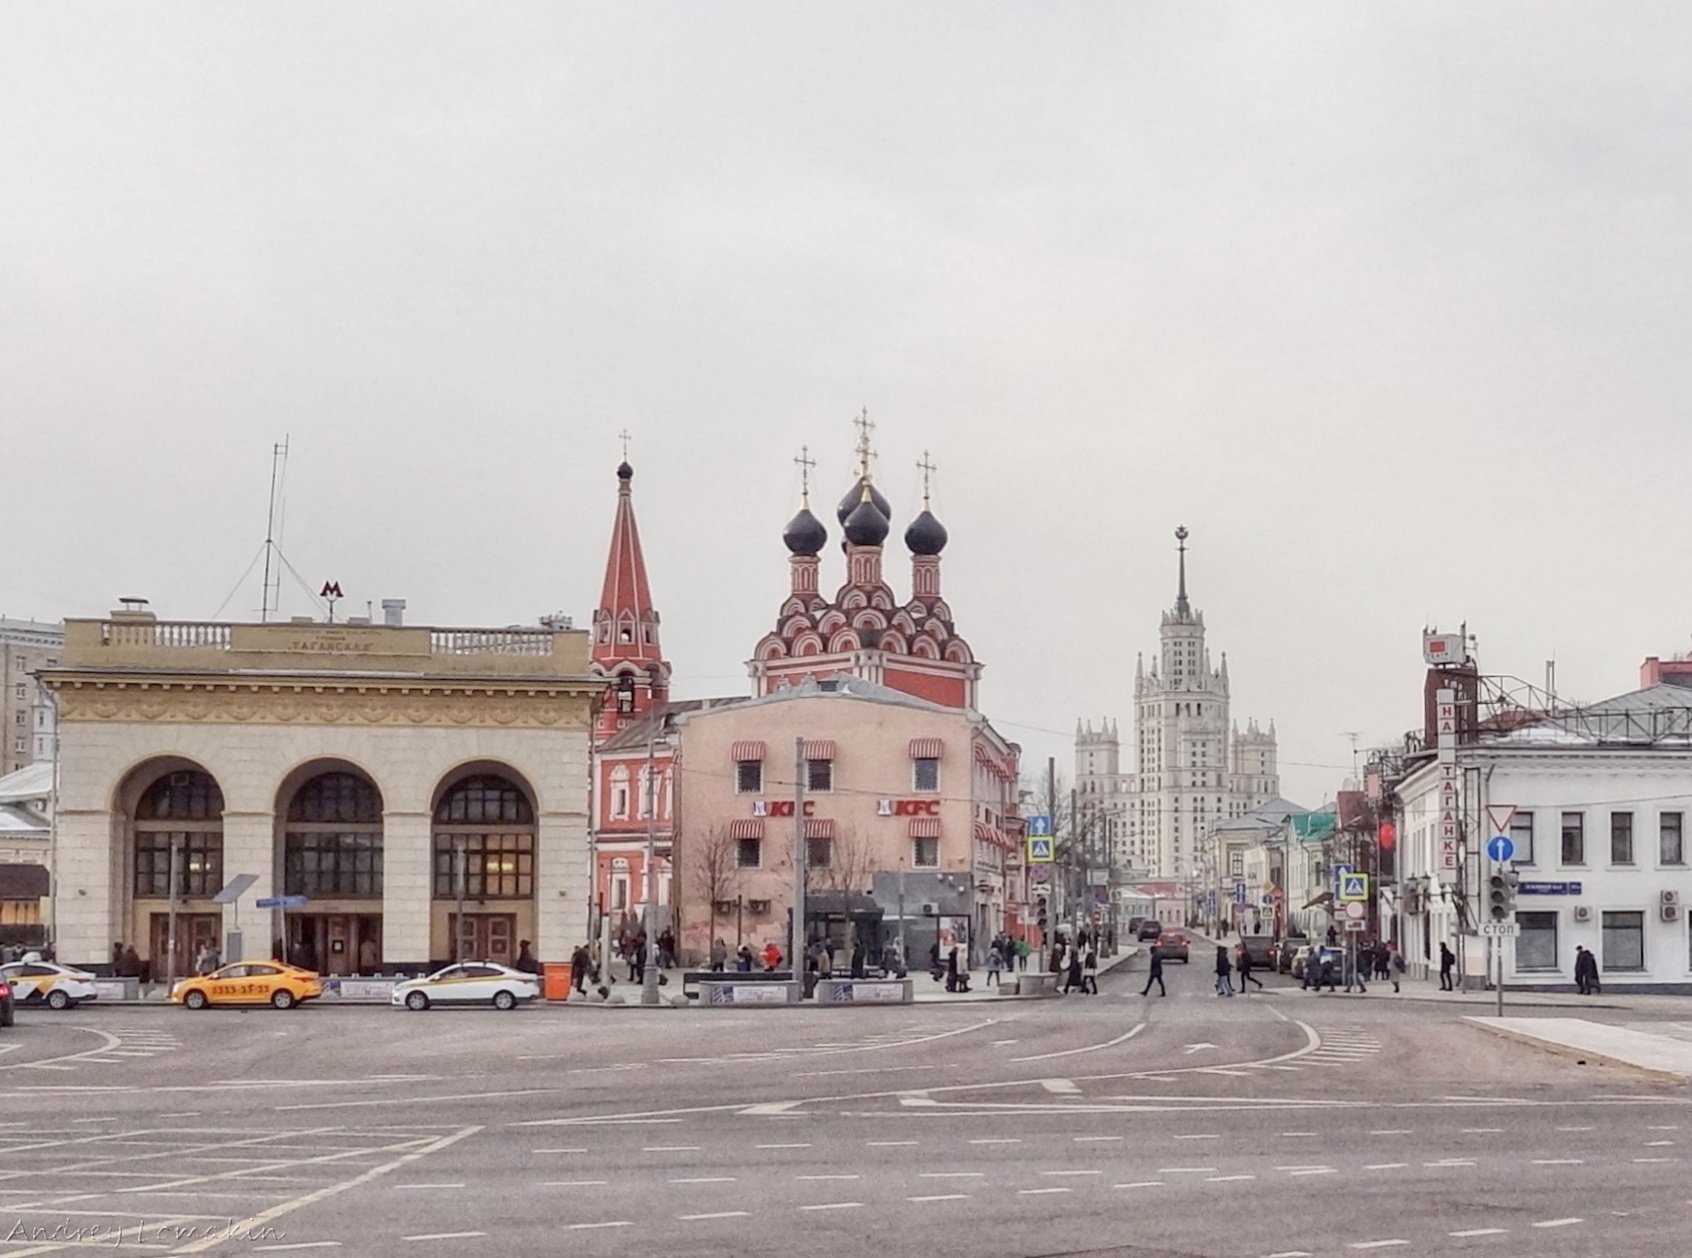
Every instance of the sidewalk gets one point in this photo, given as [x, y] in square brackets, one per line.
[1658, 1056]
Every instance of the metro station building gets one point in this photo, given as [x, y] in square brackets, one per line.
[413, 784]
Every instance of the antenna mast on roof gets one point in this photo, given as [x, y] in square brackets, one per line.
[272, 590]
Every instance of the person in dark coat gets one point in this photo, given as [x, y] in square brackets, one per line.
[1447, 959]
[1243, 965]
[1072, 976]
[1223, 969]
[1325, 974]
[1586, 972]
[1156, 975]
[526, 958]
[579, 966]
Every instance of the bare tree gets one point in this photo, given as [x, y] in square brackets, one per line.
[716, 871]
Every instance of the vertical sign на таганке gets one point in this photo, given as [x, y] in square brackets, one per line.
[1445, 707]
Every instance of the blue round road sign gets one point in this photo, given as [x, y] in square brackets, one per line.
[1500, 849]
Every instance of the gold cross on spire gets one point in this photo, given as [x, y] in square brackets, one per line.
[624, 436]
[865, 426]
[925, 465]
[806, 463]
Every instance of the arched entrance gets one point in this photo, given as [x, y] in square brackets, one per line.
[483, 839]
[174, 814]
[332, 854]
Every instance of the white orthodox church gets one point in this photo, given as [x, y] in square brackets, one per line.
[1193, 766]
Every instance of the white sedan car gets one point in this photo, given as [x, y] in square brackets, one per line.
[469, 983]
[37, 982]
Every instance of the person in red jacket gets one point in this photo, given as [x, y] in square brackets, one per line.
[772, 956]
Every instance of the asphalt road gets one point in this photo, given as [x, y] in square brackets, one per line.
[1276, 1124]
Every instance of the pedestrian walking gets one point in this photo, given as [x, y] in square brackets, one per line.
[1333, 936]
[719, 955]
[1586, 972]
[208, 960]
[1356, 967]
[1223, 969]
[1155, 975]
[772, 957]
[995, 963]
[1072, 978]
[1447, 959]
[1244, 967]
[579, 965]
[1022, 951]
[1395, 965]
[1090, 970]
[1325, 974]
[858, 962]
[526, 958]
[744, 960]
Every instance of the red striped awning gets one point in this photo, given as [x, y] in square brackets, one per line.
[925, 827]
[983, 832]
[748, 750]
[746, 828]
[819, 827]
[989, 759]
[819, 749]
[926, 748]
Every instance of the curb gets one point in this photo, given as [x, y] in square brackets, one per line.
[1581, 1055]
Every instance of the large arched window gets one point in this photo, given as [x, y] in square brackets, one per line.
[184, 810]
[484, 835]
[332, 843]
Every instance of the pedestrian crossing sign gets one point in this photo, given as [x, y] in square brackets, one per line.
[1354, 887]
[1040, 849]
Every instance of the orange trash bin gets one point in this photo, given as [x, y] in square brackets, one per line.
[555, 980]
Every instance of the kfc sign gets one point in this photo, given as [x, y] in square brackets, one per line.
[907, 808]
[778, 807]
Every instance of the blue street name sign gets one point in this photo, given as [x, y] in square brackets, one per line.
[1499, 849]
[285, 902]
[1239, 893]
[1039, 825]
[1548, 888]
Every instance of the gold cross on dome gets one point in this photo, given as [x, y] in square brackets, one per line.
[624, 436]
[925, 465]
[806, 463]
[865, 426]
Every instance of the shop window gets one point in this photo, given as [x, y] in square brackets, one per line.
[749, 853]
[749, 777]
[925, 853]
[818, 853]
[1536, 944]
[1623, 940]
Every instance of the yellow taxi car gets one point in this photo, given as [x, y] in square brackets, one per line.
[249, 983]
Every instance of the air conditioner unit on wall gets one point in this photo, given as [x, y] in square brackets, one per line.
[1671, 912]
[930, 908]
[1582, 913]
[1670, 898]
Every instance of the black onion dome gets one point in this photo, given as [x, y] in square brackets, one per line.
[867, 525]
[855, 495]
[926, 535]
[804, 534]
[624, 471]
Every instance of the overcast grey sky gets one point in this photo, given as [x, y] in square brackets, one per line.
[1387, 303]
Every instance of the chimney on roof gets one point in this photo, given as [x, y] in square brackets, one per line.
[393, 612]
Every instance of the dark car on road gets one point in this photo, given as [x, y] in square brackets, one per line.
[1172, 945]
[1261, 950]
[1149, 930]
[1284, 951]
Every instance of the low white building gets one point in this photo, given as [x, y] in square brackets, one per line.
[1602, 798]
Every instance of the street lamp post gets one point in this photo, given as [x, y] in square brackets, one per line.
[649, 974]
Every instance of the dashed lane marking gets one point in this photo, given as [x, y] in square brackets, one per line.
[1480, 1231]
[705, 1179]
[671, 1148]
[715, 1214]
[835, 1205]
[1040, 1192]
[1378, 1244]
[889, 1144]
[573, 1183]
[1186, 1170]
[952, 1175]
[1386, 1166]
[1558, 1222]
[1097, 1139]
[1227, 1179]
[457, 1185]
[443, 1236]
[944, 1196]
[997, 1140]
[821, 1177]
[1555, 1162]
[1061, 1174]
[1141, 1183]
[583, 1227]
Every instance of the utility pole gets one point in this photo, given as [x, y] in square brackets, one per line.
[1054, 911]
[796, 933]
[649, 975]
[170, 941]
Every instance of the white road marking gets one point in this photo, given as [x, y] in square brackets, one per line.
[997, 1140]
[1391, 1131]
[1065, 1173]
[945, 1196]
[1653, 1159]
[1574, 1129]
[1386, 1166]
[1558, 1222]
[1141, 1183]
[560, 1150]
[889, 1144]
[1558, 1162]
[671, 1148]
[781, 1146]
[582, 1227]
[716, 1214]
[705, 1179]
[1290, 1253]
[828, 1177]
[1377, 1244]
[1086, 1048]
[1040, 1192]
[836, 1205]
[952, 1175]
[1095, 1139]
[1298, 1133]
[1657, 1144]
[1226, 1179]
[1480, 1231]
[1063, 1087]
[1186, 1170]
[573, 1183]
[1451, 1162]
[443, 1236]
[457, 1185]
[1482, 1131]
[1199, 1137]
[1316, 1170]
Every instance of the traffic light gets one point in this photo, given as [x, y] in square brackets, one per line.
[1502, 894]
[1040, 911]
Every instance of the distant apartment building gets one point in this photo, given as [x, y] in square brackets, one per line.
[26, 715]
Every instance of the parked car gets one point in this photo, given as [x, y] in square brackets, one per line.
[33, 980]
[249, 983]
[1174, 946]
[469, 983]
[1284, 952]
[1311, 956]
[1150, 929]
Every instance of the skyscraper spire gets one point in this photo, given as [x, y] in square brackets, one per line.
[1182, 607]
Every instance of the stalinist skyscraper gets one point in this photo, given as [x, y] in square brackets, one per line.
[1192, 766]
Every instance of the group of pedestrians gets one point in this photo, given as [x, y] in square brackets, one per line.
[1240, 963]
[1005, 953]
[1077, 964]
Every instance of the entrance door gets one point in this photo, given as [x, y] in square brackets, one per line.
[486, 936]
[193, 932]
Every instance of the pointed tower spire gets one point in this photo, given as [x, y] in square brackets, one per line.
[1182, 607]
[625, 624]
